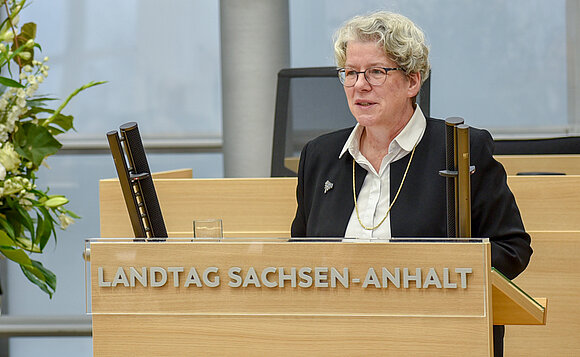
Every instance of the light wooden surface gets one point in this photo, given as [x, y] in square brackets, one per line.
[173, 321]
[247, 207]
[358, 257]
[550, 208]
[179, 335]
[567, 164]
[548, 203]
[268, 205]
[512, 306]
[513, 164]
[553, 272]
[173, 174]
[292, 163]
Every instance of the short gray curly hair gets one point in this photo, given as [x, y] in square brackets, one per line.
[401, 39]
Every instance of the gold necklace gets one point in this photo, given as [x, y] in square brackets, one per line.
[394, 199]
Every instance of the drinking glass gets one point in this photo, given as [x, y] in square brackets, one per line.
[208, 228]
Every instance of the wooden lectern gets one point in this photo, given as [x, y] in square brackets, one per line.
[251, 297]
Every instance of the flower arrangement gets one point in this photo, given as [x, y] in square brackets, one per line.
[29, 215]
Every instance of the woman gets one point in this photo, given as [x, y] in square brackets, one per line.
[381, 178]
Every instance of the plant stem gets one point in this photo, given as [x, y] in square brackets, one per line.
[68, 99]
[15, 40]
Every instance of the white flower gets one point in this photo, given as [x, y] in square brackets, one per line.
[2, 172]
[25, 55]
[26, 183]
[33, 87]
[3, 131]
[11, 186]
[8, 36]
[65, 220]
[26, 200]
[9, 158]
[21, 102]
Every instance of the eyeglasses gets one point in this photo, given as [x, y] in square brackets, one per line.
[375, 75]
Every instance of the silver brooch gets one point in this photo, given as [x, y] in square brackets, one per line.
[328, 186]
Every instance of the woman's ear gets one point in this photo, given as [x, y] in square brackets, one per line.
[414, 84]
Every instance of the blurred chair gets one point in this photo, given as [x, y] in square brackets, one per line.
[546, 156]
[309, 103]
[559, 145]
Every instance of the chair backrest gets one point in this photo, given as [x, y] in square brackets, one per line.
[559, 145]
[309, 103]
[547, 156]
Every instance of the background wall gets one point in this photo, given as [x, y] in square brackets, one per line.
[495, 63]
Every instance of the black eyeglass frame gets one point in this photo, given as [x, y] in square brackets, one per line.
[341, 72]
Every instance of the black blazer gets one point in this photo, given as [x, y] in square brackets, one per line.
[420, 210]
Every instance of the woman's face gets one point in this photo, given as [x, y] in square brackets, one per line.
[389, 104]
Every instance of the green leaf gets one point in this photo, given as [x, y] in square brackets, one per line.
[5, 240]
[7, 227]
[28, 31]
[14, 218]
[34, 143]
[25, 218]
[16, 255]
[63, 121]
[39, 102]
[45, 228]
[54, 131]
[38, 109]
[4, 25]
[10, 82]
[40, 276]
[71, 213]
[40, 232]
[27, 245]
[15, 54]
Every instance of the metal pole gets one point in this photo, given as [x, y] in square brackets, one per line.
[457, 173]
[450, 173]
[463, 197]
[35, 326]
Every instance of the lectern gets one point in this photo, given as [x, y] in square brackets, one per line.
[282, 297]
